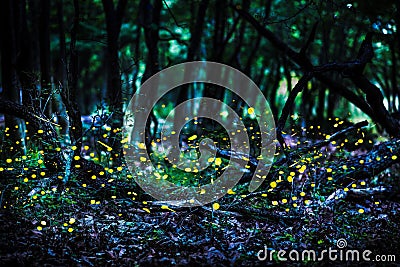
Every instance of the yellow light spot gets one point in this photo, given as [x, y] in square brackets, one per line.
[302, 169]
[165, 207]
[231, 192]
[40, 161]
[147, 210]
[26, 180]
[362, 161]
[74, 148]
[361, 211]
[218, 161]
[216, 206]
[245, 159]
[8, 160]
[86, 147]
[119, 169]
[40, 131]
[77, 158]
[39, 228]
[290, 179]
[275, 203]
[142, 145]
[71, 221]
[143, 159]
[284, 200]
[328, 136]
[193, 137]
[70, 230]
[84, 185]
[92, 201]
[42, 173]
[394, 157]
[188, 170]
[250, 110]
[105, 145]
[273, 184]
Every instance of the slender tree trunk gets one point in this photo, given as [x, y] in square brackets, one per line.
[10, 82]
[69, 93]
[44, 42]
[114, 91]
[61, 73]
[150, 21]
[196, 31]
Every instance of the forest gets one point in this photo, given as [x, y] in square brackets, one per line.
[199, 132]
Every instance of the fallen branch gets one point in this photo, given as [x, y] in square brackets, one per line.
[380, 158]
[53, 160]
[356, 194]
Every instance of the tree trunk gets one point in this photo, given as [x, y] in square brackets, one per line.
[114, 90]
[11, 87]
[44, 42]
[61, 74]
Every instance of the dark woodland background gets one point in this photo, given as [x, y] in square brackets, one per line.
[329, 70]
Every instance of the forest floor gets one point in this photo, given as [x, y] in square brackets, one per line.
[116, 232]
[43, 224]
